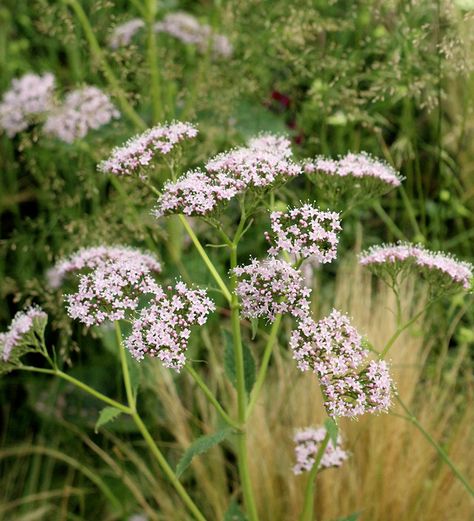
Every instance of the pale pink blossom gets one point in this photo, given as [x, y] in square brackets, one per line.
[122, 34]
[274, 143]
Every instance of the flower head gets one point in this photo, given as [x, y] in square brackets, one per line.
[330, 346]
[273, 143]
[308, 441]
[21, 333]
[270, 287]
[29, 96]
[195, 193]
[305, 231]
[90, 258]
[163, 328]
[138, 152]
[84, 109]
[122, 34]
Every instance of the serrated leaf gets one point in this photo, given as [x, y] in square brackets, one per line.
[107, 414]
[200, 446]
[229, 363]
[234, 513]
[352, 517]
[332, 429]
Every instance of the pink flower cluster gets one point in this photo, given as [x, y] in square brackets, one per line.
[138, 152]
[21, 331]
[29, 96]
[162, 329]
[83, 109]
[90, 258]
[189, 30]
[308, 442]
[273, 143]
[195, 193]
[305, 231]
[406, 256]
[271, 287]
[122, 34]
[360, 165]
[332, 348]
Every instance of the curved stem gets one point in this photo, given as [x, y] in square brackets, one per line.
[98, 54]
[308, 505]
[262, 372]
[126, 373]
[168, 471]
[206, 259]
[442, 453]
[210, 396]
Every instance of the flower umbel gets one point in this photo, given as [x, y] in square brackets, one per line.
[122, 34]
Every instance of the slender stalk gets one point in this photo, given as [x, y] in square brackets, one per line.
[109, 75]
[242, 456]
[441, 452]
[206, 259]
[168, 471]
[153, 62]
[126, 374]
[388, 221]
[262, 372]
[80, 385]
[210, 396]
[308, 505]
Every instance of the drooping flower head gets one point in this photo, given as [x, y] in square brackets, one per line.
[271, 287]
[305, 232]
[442, 271]
[195, 193]
[330, 346]
[138, 152]
[84, 109]
[30, 95]
[163, 328]
[276, 144]
[122, 34]
[90, 258]
[307, 444]
[21, 336]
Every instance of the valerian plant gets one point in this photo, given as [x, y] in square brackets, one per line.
[125, 286]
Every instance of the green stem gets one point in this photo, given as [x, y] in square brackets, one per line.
[308, 505]
[442, 453]
[153, 62]
[242, 455]
[262, 372]
[206, 259]
[126, 373]
[98, 54]
[80, 385]
[210, 396]
[168, 471]
[388, 221]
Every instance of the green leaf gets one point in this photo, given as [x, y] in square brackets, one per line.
[332, 429]
[254, 118]
[352, 517]
[234, 513]
[200, 446]
[229, 363]
[107, 414]
[254, 323]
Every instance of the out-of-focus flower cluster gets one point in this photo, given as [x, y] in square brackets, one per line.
[307, 444]
[441, 270]
[21, 335]
[84, 109]
[122, 34]
[332, 348]
[271, 287]
[29, 97]
[138, 152]
[305, 232]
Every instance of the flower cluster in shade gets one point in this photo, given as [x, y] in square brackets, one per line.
[277, 144]
[29, 96]
[307, 444]
[91, 257]
[305, 232]
[138, 152]
[332, 348]
[271, 287]
[162, 329]
[357, 166]
[21, 332]
[227, 175]
[440, 267]
[84, 109]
